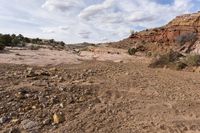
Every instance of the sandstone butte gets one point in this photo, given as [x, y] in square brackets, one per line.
[164, 38]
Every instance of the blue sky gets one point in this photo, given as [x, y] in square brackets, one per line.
[76, 21]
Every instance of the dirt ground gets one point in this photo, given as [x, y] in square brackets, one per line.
[104, 94]
[45, 56]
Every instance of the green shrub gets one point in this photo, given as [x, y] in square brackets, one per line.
[27, 40]
[15, 41]
[132, 51]
[6, 40]
[192, 60]
[36, 41]
[2, 46]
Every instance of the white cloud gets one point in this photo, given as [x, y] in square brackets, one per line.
[87, 20]
[94, 9]
[63, 5]
[84, 34]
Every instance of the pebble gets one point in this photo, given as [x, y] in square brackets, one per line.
[28, 95]
[58, 118]
[30, 126]
[61, 89]
[14, 120]
[53, 69]
[46, 122]
[14, 130]
[34, 107]
[3, 119]
[30, 72]
[54, 100]
[20, 95]
[61, 105]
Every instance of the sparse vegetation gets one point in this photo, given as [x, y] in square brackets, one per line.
[21, 41]
[176, 61]
[192, 60]
[179, 65]
[166, 60]
[139, 48]
[149, 54]
[6, 40]
[36, 41]
[132, 51]
[189, 37]
[2, 46]
[132, 32]
[34, 47]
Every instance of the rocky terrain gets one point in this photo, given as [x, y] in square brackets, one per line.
[103, 88]
[96, 96]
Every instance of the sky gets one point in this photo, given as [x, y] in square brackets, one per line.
[75, 21]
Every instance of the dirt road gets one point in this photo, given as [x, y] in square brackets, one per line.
[98, 96]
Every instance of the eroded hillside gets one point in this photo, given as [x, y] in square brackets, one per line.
[181, 34]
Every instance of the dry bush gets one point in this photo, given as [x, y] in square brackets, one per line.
[179, 65]
[192, 60]
[34, 47]
[132, 51]
[189, 37]
[166, 60]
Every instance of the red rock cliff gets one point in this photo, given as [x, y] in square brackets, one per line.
[166, 37]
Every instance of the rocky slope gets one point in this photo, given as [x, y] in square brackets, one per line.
[181, 34]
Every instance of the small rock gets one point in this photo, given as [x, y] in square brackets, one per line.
[12, 114]
[46, 122]
[54, 100]
[30, 72]
[42, 73]
[29, 69]
[55, 127]
[15, 120]
[40, 83]
[127, 73]
[53, 69]
[58, 118]
[14, 130]
[19, 95]
[61, 105]
[28, 95]
[61, 89]
[61, 79]
[42, 99]
[3, 119]
[33, 107]
[197, 70]
[81, 99]
[30, 126]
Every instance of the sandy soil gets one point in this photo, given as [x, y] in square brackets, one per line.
[99, 96]
[43, 57]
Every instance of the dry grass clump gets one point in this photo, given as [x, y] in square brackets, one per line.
[166, 59]
[192, 60]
